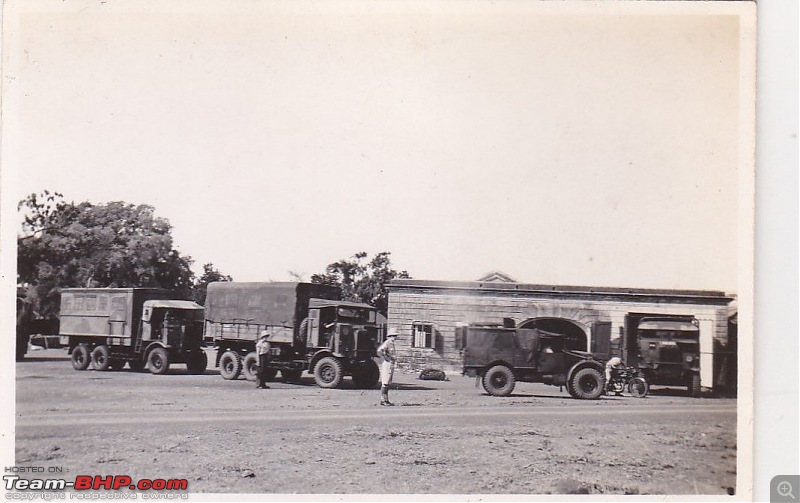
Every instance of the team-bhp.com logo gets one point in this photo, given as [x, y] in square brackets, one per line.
[94, 483]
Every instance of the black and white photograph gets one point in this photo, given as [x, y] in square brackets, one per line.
[423, 250]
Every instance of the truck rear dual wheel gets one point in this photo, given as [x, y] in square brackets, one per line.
[80, 357]
[100, 358]
[158, 361]
[249, 366]
[328, 372]
[230, 365]
[499, 381]
[586, 383]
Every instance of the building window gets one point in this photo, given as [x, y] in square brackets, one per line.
[423, 335]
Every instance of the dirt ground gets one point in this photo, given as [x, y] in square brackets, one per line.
[443, 437]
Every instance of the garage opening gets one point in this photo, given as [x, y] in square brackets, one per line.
[574, 336]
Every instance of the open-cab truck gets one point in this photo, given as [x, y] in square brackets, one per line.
[143, 327]
[311, 330]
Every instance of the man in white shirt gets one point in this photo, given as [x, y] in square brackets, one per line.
[262, 350]
[388, 353]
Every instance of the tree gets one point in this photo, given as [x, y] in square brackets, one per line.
[210, 274]
[64, 244]
[362, 280]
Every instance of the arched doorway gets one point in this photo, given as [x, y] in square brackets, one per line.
[575, 336]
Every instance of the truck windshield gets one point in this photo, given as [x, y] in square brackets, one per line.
[184, 315]
[357, 314]
[668, 335]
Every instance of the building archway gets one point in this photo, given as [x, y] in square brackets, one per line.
[575, 336]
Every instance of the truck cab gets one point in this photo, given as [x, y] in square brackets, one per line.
[669, 351]
[172, 331]
[342, 327]
[340, 339]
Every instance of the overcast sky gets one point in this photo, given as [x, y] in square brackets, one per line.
[555, 146]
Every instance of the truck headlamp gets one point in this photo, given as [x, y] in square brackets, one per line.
[689, 358]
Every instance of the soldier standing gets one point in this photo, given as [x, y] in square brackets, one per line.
[262, 349]
[387, 352]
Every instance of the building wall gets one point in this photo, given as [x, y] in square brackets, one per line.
[446, 309]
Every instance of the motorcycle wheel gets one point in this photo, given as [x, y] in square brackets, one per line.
[638, 387]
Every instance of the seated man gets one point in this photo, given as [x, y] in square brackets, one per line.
[612, 366]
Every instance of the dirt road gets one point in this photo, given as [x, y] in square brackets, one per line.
[443, 437]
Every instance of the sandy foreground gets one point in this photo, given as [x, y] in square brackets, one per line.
[442, 437]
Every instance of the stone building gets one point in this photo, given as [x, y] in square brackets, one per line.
[598, 319]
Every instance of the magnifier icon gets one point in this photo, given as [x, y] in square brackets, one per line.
[785, 489]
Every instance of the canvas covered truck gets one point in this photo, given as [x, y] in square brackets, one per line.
[109, 327]
[311, 331]
[501, 356]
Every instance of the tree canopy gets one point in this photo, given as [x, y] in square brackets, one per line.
[66, 244]
[362, 280]
[210, 274]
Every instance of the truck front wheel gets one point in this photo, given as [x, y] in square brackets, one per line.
[587, 383]
[499, 381]
[230, 365]
[100, 358]
[158, 361]
[328, 373]
[80, 357]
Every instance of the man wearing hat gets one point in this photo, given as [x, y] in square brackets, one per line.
[262, 349]
[387, 352]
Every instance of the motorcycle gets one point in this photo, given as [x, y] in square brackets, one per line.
[628, 378]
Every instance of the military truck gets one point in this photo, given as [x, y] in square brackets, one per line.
[667, 351]
[143, 327]
[311, 331]
[501, 356]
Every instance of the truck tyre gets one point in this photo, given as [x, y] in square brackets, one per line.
[137, 365]
[694, 385]
[80, 357]
[366, 376]
[230, 365]
[499, 381]
[587, 383]
[571, 390]
[638, 387]
[287, 375]
[328, 372]
[158, 361]
[197, 363]
[302, 333]
[100, 358]
[249, 365]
